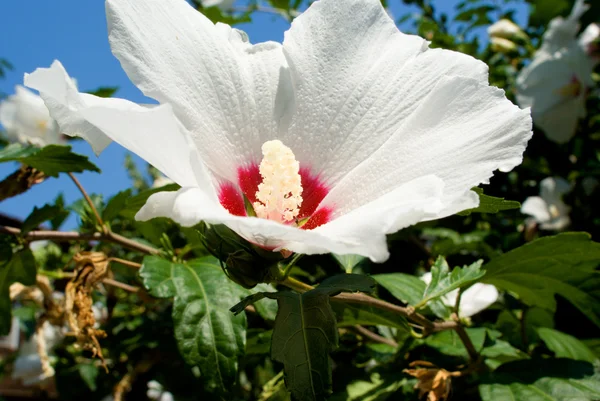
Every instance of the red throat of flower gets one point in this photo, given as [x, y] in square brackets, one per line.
[302, 191]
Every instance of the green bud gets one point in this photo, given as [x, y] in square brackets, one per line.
[244, 263]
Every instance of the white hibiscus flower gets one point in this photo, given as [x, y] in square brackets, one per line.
[548, 209]
[28, 365]
[26, 119]
[156, 392]
[346, 132]
[473, 300]
[555, 84]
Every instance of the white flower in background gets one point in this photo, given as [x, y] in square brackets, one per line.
[346, 132]
[28, 365]
[10, 342]
[506, 29]
[161, 181]
[156, 392]
[26, 119]
[555, 84]
[224, 5]
[548, 209]
[473, 300]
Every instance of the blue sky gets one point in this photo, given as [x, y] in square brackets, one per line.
[34, 33]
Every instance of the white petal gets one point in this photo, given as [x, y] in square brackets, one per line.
[151, 132]
[65, 102]
[477, 298]
[539, 84]
[8, 112]
[560, 122]
[537, 207]
[552, 189]
[357, 81]
[561, 31]
[360, 232]
[589, 35]
[461, 132]
[223, 90]
[26, 119]
[557, 224]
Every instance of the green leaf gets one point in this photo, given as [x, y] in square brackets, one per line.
[51, 159]
[349, 262]
[408, 289]
[305, 332]
[542, 380]
[19, 268]
[104, 91]
[348, 283]
[115, 205]
[566, 346]
[135, 203]
[563, 264]
[38, 216]
[267, 309]
[259, 342]
[376, 389]
[15, 151]
[208, 335]
[58, 219]
[89, 374]
[366, 315]
[490, 204]
[448, 343]
[443, 281]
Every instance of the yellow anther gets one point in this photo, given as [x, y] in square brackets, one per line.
[42, 125]
[280, 193]
[554, 212]
[572, 89]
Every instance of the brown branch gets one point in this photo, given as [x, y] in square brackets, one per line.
[20, 181]
[374, 336]
[360, 298]
[66, 236]
[466, 340]
[120, 285]
[125, 262]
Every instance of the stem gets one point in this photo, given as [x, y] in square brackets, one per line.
[373, 336]
[89, 201]
[466, 340]
[118, 284]
[290, 265]
[66, 236]
[359, 298]
[127, 263]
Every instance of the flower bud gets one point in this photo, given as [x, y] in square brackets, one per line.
[501, 45]
[505, 29]
[244, 263]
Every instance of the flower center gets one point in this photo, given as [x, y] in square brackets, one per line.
[554, 212]
[572, 89]
[279, 195]
[42, 125]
